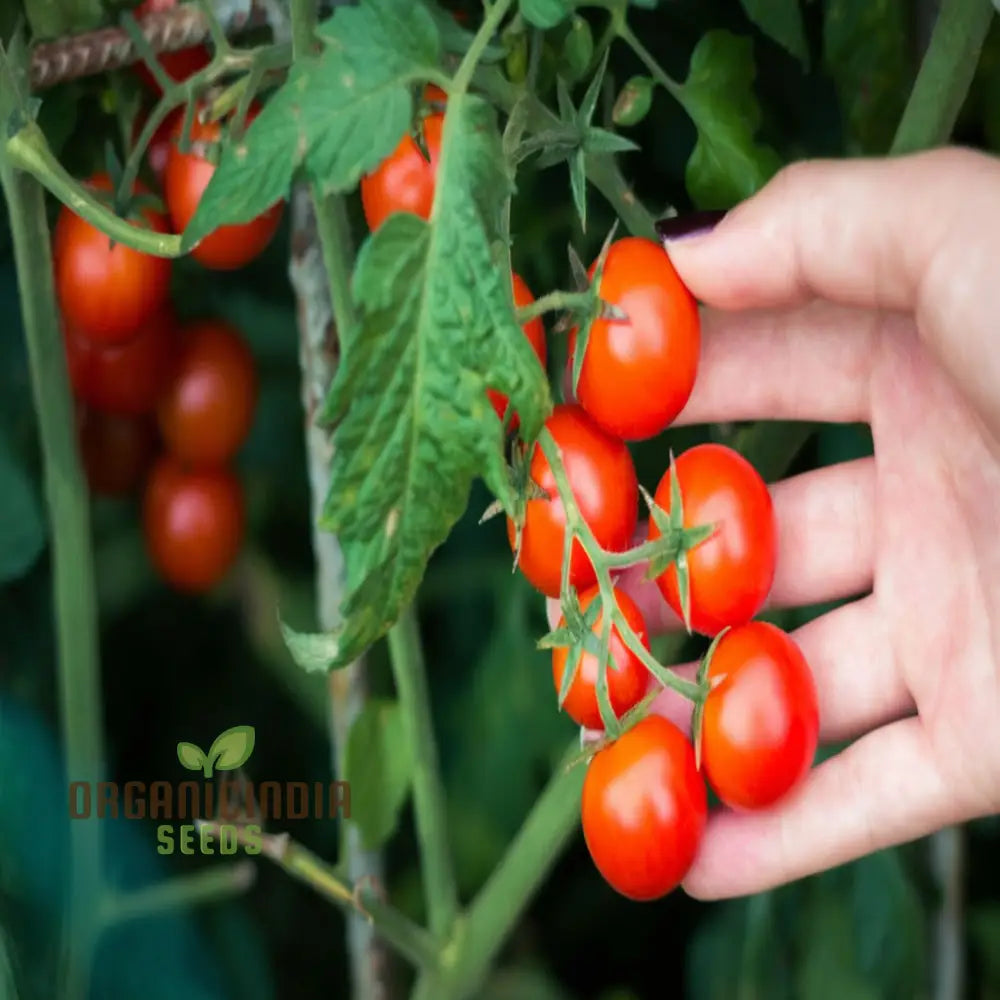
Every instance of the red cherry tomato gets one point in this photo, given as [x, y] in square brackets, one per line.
[627, 676]
[187, 175]
[193, 521]
[404, 181]
[644, 809]
[115, 451]
[534, 330]
[638, 373]
[123, 378]
[731, 572]
[206, 410]
[180, 64]
[106, 291]
[761, 721]
[603, 481]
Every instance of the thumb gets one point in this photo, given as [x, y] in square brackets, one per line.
[857, 232]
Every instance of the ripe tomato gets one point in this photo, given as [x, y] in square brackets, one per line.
[187, 175]
[761, 722]
[602, 478]
[638, 373]
[180, 64]
[534, 330]
[106, 291]
[731, 572]
[627, 675]
[404, 180]
[123, 378]
[116, 451]
[644, 809]
[159, 146]
[193, 521]
[206, 410]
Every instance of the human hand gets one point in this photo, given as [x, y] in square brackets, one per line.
[867, 291]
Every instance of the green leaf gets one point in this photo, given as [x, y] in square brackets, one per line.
[232, 748]
[379, 768]
[546, 13]
[782, 21]
[337, 116]
[436, 328]
[727, 164]
[578, 185]
[866, 46]
[191, 756]
[600, 140]
[312, 651]
[22, 528]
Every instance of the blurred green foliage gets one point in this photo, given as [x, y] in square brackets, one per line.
[831, 77]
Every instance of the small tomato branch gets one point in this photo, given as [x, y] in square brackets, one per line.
[494, 15]
[555, 302]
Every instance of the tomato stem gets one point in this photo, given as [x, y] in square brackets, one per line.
[556, 301]
[78, 662]
[494, 15]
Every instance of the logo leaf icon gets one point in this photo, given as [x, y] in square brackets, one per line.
[191, 756]
[232, 748]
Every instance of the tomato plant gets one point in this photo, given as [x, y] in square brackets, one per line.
[761, 720]
[644, 808]
[124, 378]
[193, 521]
[638, 372]
[534, 330]
[603, 481]
[180, 64]
[207, 406]
[115, 450]
[158, 150]
[186, 176]
[730, 573]
[627, 675]
[106, 290]
[404, 181]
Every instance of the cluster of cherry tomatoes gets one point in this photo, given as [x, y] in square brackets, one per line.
[644, 805]
[163, 407]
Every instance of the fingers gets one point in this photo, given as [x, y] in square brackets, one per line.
[885, 789]
[860, 232]
[810, 363]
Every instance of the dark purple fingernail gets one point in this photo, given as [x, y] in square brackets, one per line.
[678, 227]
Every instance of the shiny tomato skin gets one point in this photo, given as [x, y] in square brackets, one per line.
[106, 292]
[628, 678]
[534, 330]
[638, 373]
[193, 521]
[115, 451]
[404, 180]
[127, 378]
[603, 480]
[761, 722]
[185, 179]
[207, 408]
[644, 808]
[732, 571]
[180, 64]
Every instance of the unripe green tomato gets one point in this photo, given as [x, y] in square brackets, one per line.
[517, 57]
[634, 101]
[577, 51]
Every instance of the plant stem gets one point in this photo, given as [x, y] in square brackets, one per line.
[81, 711]
[605, 175]
[428, 790]
[487, 29]
[945, 75]
[304, 14]
[206, 886]
[506, 895]
[554, 302]
[28, 150]
[656, 71]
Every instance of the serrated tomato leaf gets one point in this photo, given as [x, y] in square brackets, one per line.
[781, 20]
[413, 424]
[337, 116]
[728, 164]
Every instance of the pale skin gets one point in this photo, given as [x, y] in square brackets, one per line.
[867, 291]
